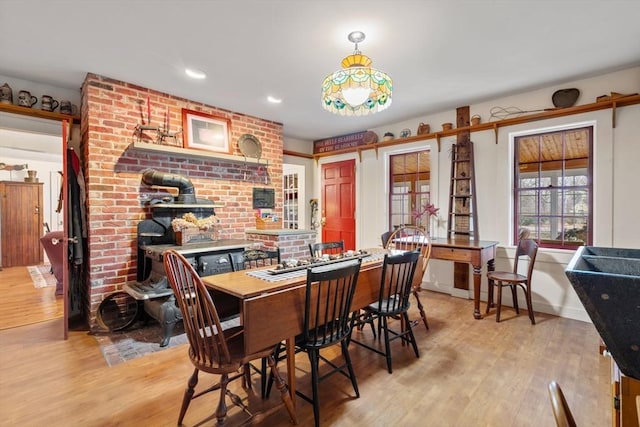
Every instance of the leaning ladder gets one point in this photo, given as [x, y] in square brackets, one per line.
[462, 218]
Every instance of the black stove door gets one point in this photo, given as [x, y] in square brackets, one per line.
[213, 264]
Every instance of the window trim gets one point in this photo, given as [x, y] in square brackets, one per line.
[389, 183]
[513, 151]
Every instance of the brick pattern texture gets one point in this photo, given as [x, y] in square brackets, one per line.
[111, 110]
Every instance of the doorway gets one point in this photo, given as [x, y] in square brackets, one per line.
[43, 154]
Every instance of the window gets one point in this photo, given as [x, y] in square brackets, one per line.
[293, 213]
[409, 183]
[553, 187]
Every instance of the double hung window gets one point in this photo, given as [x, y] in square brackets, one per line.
[553, 187]
[409, 184]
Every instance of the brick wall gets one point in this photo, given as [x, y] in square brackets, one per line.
[292, 245]
[110, 112]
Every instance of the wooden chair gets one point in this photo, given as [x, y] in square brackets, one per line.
[327, 322]
[393, 301]
[247, 260]
[499, 279]
[410, 238]
[561, 410]
[254, 258]
[316, 250]
[214, 348]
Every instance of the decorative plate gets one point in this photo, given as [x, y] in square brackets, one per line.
[250, 146]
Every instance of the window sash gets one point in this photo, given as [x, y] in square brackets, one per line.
[553, 187]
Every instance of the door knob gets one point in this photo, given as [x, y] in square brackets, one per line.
[323, 221]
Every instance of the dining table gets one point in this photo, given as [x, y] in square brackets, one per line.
[271, 306]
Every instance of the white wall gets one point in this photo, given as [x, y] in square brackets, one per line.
[617, 152]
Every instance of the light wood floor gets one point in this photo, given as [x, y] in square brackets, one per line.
[22, 304]
[470, 373]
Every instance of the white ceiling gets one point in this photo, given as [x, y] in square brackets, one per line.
[441, 54]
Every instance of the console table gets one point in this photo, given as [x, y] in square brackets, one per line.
[474, 252]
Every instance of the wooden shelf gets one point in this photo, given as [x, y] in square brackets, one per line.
[549, 114]
[34, 112]
[189, 152]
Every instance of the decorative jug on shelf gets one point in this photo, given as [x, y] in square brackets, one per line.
[6, 95]
[25, 99]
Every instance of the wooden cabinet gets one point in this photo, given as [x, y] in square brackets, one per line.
[625, 392]
[21, 223]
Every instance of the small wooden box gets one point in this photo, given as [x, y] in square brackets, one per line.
[267, 224]
[194, 235]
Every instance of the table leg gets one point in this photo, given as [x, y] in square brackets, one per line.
[291, 368]
[477, 281]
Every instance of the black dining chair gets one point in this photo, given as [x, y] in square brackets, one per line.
[317, 250]
[327, 316]
[254, 258]
[327, 322]
[393, 302]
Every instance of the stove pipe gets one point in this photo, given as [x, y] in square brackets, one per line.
[186, 192]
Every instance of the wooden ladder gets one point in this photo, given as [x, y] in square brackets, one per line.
[462, 218]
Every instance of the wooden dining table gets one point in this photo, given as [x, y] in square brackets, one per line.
[271, 306]
[272, 309]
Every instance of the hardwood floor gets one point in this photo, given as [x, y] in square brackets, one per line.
[470, 373]
[22, 304]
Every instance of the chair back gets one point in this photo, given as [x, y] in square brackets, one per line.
[385, 238]
[208, 347]
[411, 238]
[328, 297]
[330, 248]
[527, 248]
[254, 258]
[396, 282]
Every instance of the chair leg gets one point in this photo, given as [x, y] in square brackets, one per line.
[246, 377]
[221, 411]
[514, 296]
[412, 337]
[269, 381]
[347, 358]
[527, 293]
[387, 346]
[423, 315]
[188, 395]
[499, 302]
[314, 361]
[282, 387]
[490, 295]
[263, 380]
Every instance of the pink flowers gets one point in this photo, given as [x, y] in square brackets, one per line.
[429, 209]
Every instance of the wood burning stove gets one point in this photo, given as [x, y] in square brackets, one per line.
[156, 235]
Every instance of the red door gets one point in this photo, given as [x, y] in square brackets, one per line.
[339, 203]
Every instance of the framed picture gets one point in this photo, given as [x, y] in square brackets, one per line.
[204, 131]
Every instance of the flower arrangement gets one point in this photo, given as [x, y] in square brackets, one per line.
[189, 220]
[429, 210]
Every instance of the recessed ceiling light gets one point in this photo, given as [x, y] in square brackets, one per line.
[274, 100]
[195, 74]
